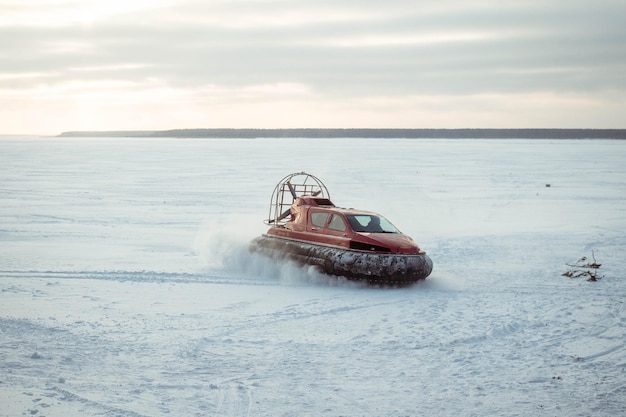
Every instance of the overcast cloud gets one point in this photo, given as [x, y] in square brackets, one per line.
[164, 64]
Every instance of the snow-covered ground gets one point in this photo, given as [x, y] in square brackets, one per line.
[126, 288]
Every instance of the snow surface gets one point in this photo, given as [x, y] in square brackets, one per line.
[126, 288]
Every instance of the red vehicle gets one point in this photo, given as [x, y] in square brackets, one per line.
[306, 227]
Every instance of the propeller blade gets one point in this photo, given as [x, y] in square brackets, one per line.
[285, 214]
[293, 190]
[282, 216]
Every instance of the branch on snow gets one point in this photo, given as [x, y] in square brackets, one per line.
[584, 268]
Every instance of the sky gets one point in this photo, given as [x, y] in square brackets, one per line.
[168, 64]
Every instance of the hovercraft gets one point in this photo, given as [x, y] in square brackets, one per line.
[306, 227]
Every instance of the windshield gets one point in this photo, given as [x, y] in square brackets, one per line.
[370, 223]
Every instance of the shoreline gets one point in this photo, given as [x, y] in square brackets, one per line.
[240, 133]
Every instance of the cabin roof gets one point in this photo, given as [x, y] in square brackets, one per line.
[325, 204]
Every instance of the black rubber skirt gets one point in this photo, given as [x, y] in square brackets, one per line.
[372, 267]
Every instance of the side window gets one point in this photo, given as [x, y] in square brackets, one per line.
[336, 223]
[318, 219]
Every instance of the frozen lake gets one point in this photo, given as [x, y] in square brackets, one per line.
[126, 288]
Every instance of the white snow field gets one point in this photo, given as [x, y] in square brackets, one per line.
[126, 288]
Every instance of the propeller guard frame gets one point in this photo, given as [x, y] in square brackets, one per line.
[287, 190]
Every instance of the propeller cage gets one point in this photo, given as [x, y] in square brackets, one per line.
[287, 190]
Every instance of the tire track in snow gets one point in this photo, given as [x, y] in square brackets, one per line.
[235, 399]
[213, 277]
[107, 409]
[296, 312]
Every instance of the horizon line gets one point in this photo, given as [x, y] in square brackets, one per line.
[417, 133]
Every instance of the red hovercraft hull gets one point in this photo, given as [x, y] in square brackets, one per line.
[359, 245]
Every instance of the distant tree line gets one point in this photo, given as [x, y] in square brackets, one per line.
[366, 133]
